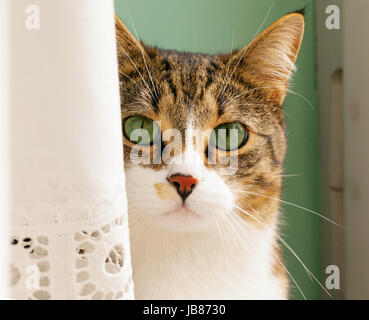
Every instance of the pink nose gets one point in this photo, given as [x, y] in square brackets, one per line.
[183, 184]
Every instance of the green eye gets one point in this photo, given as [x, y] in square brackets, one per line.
[229, 136]
[146, 136]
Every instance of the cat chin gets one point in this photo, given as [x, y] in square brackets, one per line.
[182, 220]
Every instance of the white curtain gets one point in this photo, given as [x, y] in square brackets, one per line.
[69, 232]
[4, 183]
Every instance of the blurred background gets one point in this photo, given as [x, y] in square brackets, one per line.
[319, 175]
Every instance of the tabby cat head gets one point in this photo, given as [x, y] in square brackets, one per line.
[184, 95]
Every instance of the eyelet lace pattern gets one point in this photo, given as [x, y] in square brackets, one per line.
[81, 252]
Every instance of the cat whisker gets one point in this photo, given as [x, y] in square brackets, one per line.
[142, 52]
[265, 18]
[138, 84]
[235, 233]
[246, 92]
[302, 97]
[142, 101]
[292, 278]
[256, 213]
[248, 214]
[227, 70]
[237, 230]
[288, 175]
[296, 256]
[222, 239]
[135, 66]
[269, 87]
[129, 95]
[292, 204]
[234, 236]
[305, 267]
[245, 51]
[309, 273]
[265, 105]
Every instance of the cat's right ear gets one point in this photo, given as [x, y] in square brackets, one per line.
[127, 44]
[268, 61]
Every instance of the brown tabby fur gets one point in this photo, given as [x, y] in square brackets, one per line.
[247, 86]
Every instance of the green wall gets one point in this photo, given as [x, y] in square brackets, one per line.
[209, 26]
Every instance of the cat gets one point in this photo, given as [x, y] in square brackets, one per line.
[197, 232]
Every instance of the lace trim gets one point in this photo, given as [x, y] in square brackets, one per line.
[66, 261]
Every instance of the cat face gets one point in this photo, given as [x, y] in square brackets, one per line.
[214, 138]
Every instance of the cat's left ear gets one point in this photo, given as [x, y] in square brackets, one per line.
[130, 50]
[126, 42]
[268, 61]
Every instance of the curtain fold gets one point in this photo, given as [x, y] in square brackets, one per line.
[69, 231]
